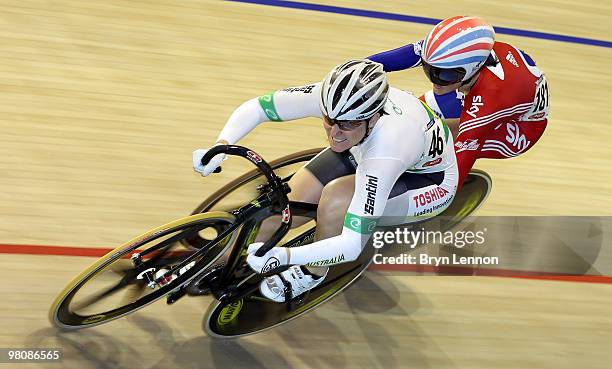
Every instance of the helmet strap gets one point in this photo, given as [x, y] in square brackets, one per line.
[369, 126]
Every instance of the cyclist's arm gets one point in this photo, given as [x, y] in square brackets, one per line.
[282, 105]
[405, 57]
[373, 183]
[446, 105]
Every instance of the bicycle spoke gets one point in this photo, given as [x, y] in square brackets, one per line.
[111, 289]
[133, 293]
[121, 266]
[124, 282]
[164, 245]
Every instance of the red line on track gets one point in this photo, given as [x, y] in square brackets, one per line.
[53, 250]
[447, 270]
[489, 272]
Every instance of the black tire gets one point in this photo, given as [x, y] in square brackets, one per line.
[65, 313]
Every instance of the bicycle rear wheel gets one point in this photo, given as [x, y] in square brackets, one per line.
[115, 285]
[475, 190]
[473, 194]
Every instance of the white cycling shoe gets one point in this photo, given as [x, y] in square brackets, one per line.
[274, 288]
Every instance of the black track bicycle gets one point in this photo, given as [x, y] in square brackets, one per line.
[205, 254]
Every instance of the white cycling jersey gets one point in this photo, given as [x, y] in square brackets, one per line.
[408, 137]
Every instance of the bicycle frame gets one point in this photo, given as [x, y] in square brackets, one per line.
[273, 200]
[249, 217]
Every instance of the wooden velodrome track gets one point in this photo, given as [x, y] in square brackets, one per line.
[102, 103]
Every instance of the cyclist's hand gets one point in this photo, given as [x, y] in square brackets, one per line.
[213, 164]
[277, 256]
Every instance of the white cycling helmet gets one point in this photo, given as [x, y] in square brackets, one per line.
[355, 90]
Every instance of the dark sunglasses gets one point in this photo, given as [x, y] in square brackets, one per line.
[443, 77]
[344, 125]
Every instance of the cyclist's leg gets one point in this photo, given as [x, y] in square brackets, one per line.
[307, 185]
[335, 200]
[415, 196]
[447, 103]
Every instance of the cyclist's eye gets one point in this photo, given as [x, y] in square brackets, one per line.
[343, 124]
[352, 125]
[347, 126]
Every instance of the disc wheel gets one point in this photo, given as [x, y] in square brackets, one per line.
[472, 195]
[255, 313]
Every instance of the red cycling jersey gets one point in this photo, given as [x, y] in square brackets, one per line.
[504, 113]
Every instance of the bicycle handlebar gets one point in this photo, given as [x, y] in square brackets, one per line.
[278, 188]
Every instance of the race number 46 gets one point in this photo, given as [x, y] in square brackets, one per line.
[437, 144]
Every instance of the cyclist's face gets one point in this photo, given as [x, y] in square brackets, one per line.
[342, 135]
[441, 76]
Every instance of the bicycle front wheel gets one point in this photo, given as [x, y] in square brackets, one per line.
[119, 283]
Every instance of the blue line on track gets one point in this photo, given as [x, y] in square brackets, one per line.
[422, 20]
